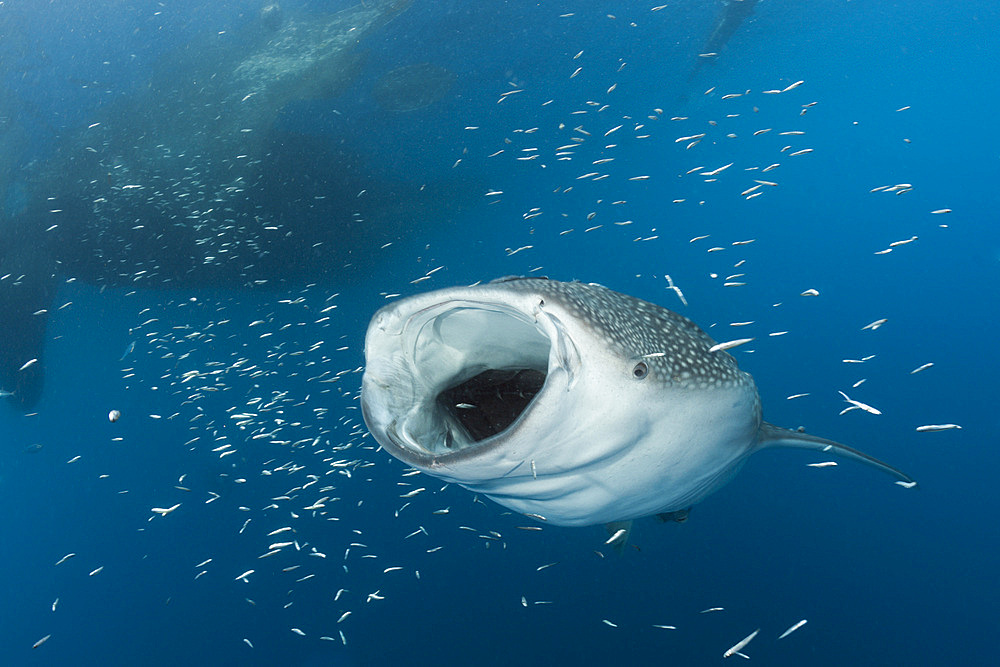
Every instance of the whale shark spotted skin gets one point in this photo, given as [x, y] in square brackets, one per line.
[565, 401]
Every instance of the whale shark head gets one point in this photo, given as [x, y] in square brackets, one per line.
[567, 401]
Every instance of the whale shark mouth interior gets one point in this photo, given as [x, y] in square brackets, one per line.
[485, 365]
[491, 401]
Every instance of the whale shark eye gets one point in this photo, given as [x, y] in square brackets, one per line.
[640, 370]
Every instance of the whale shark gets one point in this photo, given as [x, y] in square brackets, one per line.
[567, 402]
[189, 181]
[731, 16]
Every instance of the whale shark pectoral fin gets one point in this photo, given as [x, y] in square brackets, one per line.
[27, 289]
[775, 436]
[677, 516]
[619, 532]
[23, 334]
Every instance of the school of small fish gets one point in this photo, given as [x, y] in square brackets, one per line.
[267, 403]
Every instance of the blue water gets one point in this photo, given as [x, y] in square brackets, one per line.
[893, 93]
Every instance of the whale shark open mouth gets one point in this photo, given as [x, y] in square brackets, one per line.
[473, 371]
[489, 402]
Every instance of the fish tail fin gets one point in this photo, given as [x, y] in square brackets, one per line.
[775, 436]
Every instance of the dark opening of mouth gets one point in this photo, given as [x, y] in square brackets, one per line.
[491, 401]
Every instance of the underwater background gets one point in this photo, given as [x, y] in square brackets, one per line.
[578, 140]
